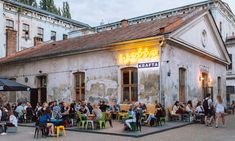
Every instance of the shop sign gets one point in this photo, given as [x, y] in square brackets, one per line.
[148, 65]
[139, 55]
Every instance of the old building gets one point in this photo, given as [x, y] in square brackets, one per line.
[224, 19]
[30, 25]
[181, 57]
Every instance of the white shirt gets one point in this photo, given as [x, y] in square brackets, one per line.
[175, 109]
[199, 109]
[13, 120]
[219, 108]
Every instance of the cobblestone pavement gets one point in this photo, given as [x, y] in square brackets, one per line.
[194, 132]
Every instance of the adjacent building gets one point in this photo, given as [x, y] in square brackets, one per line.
[26, 26]
[181, 57]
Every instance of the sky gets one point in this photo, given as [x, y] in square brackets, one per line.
[93, 12]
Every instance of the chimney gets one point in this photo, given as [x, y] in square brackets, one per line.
[124, 23]
[37, 41]
[11, 42]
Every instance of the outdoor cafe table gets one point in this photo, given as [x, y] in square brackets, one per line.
[56, 122]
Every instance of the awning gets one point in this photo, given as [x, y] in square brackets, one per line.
[9, 85]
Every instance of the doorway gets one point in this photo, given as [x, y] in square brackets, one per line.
[42, 88]
[182, 84]
[34, 97]
[204, 78]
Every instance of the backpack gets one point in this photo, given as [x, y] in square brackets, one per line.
[205, 104]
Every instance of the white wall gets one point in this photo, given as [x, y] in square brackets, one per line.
[178, 58]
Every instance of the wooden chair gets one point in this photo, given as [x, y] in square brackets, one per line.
[174, 117]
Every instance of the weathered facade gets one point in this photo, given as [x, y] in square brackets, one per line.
[178, 58]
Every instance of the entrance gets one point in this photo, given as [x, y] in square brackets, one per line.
[34, 97]
[42, 88]
[182, 82]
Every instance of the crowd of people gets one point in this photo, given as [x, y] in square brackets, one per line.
[206, 111]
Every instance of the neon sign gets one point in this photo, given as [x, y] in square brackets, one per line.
[139, 55]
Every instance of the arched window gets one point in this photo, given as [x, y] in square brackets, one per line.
[129, 84]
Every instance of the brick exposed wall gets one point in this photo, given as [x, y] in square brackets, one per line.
[11, 42]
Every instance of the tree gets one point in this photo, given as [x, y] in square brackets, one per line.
[66, 10]
[29, 2]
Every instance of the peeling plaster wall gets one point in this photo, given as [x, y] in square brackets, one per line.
[101, 75]
[172, 59]
[149, 85]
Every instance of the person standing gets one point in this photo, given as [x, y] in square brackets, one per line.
[219, 109]
[206, 106]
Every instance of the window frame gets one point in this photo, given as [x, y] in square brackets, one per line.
[53, 35]
[79, 89]
[25, 31]
[131, 85]
[11, 26]
[41, 32]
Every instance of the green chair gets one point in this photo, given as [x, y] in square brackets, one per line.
[163, 119]
[82, 122]
[102, 120]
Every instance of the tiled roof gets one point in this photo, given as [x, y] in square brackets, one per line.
[103, 39]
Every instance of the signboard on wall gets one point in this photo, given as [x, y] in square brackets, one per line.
[148, 65]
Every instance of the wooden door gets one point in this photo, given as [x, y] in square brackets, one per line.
[182, 85]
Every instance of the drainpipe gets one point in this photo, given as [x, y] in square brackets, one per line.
[161, 96]
[18, 42]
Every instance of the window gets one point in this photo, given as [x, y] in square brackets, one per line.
[219, 85]
[220, 27]
[53, 35]
[65, 36]
[9, 24]
[79, 86]
[129, 85]
[230, 67]
[25, 31]
[182, 85]
[40, 32]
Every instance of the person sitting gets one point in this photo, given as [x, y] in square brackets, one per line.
[89, 107]
[44, 120]
[109, 111]
[11, 123]
[159, 112]
[56, 111]
[132, 116]
[19, 110]
[199, 112]
[178, 109]
[97, 114]
[143, 107]
[103, 106]
[83, 112]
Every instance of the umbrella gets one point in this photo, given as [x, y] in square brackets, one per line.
[9, 85]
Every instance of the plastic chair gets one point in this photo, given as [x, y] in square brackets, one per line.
[58, 129]
[102, 120]
[91, 122]
[81, 122]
